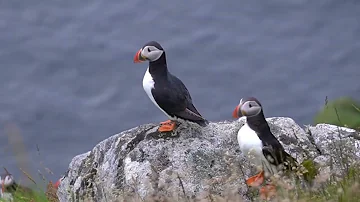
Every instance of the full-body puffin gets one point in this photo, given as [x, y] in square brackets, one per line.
[165, 90]
[7, 182]
[257, 142]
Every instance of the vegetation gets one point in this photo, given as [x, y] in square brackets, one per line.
[23, 194]
[27, 194]
[325, 187]
[341, 112]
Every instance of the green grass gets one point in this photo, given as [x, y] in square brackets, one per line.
[343, 190]
[34, 194]
[25, 194]
[29, 195]
[341, 112]
[328, 190]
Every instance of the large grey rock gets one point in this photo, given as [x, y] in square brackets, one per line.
[339, 147]
[194, 161]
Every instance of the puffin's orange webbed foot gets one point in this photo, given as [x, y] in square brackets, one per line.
[256, 180]
[167, 126]
[267, 192]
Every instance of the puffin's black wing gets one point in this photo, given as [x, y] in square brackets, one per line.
[174, 98]
[12, 188]
[275, 153]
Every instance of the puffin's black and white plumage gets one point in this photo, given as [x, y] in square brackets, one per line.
[7, 182]
[165, 90]
[257, 142]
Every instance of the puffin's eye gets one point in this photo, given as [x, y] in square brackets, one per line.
[149, 50]
[250, 105]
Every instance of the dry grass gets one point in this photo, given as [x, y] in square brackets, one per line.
[24, 193]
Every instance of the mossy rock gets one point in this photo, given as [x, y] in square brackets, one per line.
[341, 112]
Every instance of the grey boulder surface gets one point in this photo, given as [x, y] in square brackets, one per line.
[193, 161]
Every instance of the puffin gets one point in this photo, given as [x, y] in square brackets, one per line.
[165, 90]
[7, 182]
[258, 144]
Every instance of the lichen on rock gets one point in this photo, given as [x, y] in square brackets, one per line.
[337, 146]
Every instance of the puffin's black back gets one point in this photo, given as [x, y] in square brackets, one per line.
[271, 146]
[12, 188]
[170, 93]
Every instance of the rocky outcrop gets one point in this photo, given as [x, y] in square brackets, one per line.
[339, 147]
[191, 162]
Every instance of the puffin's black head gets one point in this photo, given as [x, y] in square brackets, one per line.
[151, 51]
[247, 107]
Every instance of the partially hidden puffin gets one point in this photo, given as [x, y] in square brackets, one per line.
[7, 182]
[165, 90]
[257, 142]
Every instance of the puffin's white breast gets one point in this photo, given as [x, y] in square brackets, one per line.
[7, 180]
[148, 85]
[251, 146]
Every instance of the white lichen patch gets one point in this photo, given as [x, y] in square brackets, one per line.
[137, 176]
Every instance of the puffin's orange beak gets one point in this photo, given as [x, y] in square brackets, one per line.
[138, 57]
[235, 112]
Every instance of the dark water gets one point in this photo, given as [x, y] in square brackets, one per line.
[68, 80]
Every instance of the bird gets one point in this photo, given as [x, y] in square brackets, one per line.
[7, 182]
[257, 142]
[165, 90]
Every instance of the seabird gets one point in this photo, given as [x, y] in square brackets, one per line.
[257, 142]
[165, 90]
[7, 182]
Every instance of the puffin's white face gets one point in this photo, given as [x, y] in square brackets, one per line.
[247, 107]
[9, 180]
[151, 53]
[250, 108]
